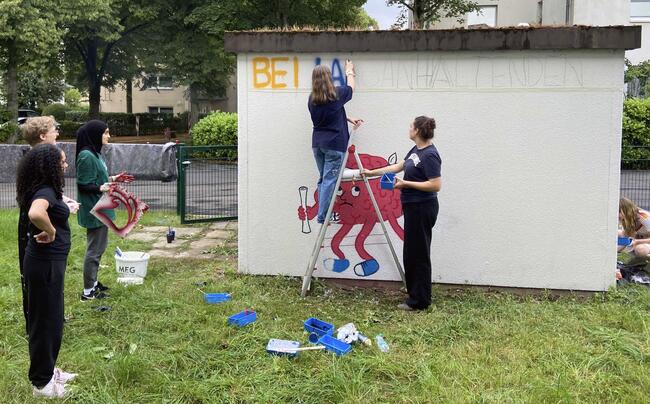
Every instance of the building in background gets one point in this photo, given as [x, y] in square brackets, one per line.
[158, 94]
[505, 13]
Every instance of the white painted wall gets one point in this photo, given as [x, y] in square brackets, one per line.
[601, 12]
[530, 143]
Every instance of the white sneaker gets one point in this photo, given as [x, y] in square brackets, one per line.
[62, 377]
[50, 390]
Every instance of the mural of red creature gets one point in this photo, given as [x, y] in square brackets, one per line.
[354, 207]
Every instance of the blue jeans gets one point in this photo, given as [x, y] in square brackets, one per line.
[329, 163]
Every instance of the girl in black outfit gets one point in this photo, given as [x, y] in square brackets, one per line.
[39, 186]
[419, 198]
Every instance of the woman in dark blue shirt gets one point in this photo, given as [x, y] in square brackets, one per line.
[419, 199]
[330, 135]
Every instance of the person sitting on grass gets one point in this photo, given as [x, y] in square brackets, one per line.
[634, 222]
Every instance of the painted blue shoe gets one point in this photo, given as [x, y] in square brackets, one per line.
[366, 268]
[336, 265]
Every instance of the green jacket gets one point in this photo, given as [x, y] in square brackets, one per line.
[91, 169]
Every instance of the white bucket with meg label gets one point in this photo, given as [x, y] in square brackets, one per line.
[132, 264]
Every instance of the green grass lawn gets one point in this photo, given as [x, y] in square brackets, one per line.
[161, 343]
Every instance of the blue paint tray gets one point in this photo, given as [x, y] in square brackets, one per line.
[243, 318]
[387, 181]
[624, 241]
[334, 345]
[281, 346]
[319, 327]
[214, 298]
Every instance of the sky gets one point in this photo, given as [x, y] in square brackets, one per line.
[385, 15]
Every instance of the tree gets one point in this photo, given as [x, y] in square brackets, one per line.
[429, 11]
[638, 76]
[38, 88]
[100, 41]
[188, 37]
[29, 39]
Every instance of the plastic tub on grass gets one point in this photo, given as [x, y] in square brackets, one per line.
[282, 347]
[242, 318]
[314, 325]
[214, 298]
[334, 345]
[132, 264]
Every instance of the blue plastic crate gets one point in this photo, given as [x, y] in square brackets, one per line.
[281, 346]
[213, 298]
[334, 345]
[387, 181]
[314, 325]
[242, 318]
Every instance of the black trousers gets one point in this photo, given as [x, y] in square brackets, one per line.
[23, 228]
[44, 280]
[419, 219]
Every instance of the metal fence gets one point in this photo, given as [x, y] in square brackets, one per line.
[207, 183]
[206, 188]
[635, 175]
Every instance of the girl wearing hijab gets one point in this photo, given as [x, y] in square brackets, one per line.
[92, 181]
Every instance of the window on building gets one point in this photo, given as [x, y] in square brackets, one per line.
[640, 9]
[161, 110]
[485, 15]
[159, 82]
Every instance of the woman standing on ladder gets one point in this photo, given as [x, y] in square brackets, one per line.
[330, 135]
[419, 199]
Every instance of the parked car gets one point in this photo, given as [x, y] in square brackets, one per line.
[23, 114]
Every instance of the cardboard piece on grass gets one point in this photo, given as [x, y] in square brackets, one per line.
[112, 199]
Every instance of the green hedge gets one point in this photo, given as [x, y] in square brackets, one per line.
[217, 128]
[6, 130]
[68, 129]
[636, 134]
[122, 124]
[55, 110]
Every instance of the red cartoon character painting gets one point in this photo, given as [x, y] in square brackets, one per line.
[354, 207]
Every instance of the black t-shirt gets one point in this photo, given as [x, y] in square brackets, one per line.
[420, 166]
[58, 212]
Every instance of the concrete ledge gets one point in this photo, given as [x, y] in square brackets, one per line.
[544, 38]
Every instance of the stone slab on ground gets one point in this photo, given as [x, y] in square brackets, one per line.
[187, 231]
[162, 253]
[174, 245]
[206, 244]
[220, 234]
[218, 226]
[143, 236]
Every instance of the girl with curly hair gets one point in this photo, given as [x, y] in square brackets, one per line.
[39, 192]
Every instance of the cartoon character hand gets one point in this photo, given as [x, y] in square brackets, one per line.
[301, 213]
[73, 206]
[105, 187]
[122, 177]
[45, 238]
